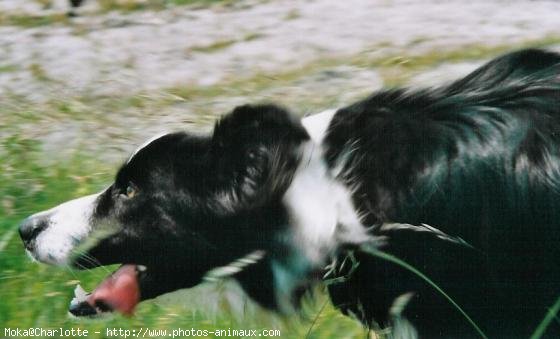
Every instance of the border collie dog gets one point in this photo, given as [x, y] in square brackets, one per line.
[461, 182]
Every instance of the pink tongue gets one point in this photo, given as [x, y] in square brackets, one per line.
[119, 291]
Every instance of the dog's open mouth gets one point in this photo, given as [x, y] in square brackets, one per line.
[120, 292]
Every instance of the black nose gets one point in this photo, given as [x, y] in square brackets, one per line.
[30, 229]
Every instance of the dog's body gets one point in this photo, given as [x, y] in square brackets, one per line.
[274, 200]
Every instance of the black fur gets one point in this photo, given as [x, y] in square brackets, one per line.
[477, 159]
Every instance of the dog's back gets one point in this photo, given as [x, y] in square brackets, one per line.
[479, 161]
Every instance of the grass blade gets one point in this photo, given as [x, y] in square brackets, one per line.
[395, 260]
[6, 238]
[550, 315]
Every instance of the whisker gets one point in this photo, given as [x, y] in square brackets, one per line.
[67, 267]
[96, 262]
[92, 260]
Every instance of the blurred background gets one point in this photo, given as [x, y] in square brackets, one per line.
[79, 93]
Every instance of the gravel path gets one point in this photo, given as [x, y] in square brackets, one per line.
[127, 53]
[101, 83]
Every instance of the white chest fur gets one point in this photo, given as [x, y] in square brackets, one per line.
[322, 214]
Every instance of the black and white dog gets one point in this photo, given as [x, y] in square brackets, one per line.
[461, 182]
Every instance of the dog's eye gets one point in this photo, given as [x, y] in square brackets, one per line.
[131, 190]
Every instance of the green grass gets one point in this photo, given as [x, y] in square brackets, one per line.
[398, 69]
[549, 317]
[292, 15]
[222, 44]
[31, 21]
[8, 68]
[38, 72]
[214, 46]
[125, 6]
[198, 2]
[388, 257]
[128, 5]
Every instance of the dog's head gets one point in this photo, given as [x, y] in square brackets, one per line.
[183, 205]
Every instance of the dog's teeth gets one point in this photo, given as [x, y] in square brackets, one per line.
[141, 268]
[80, 295]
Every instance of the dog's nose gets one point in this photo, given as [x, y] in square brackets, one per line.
[30, 228]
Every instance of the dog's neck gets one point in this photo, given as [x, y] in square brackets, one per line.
[318, 124]
[322, 214]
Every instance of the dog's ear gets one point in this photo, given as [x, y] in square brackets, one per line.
[253, 149]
